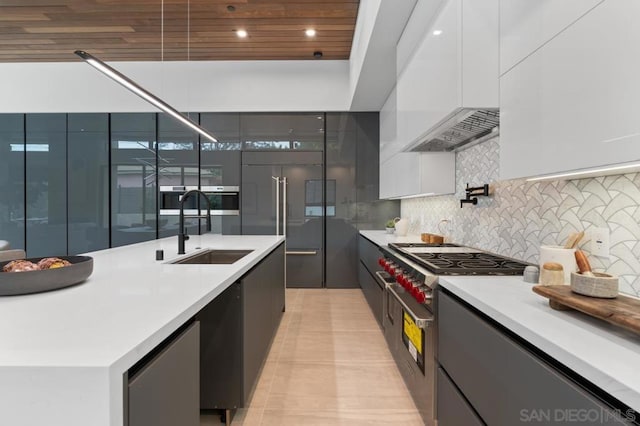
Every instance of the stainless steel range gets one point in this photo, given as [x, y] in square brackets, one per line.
[409, 272]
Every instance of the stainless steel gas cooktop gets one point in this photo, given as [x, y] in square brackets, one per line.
[452, 259]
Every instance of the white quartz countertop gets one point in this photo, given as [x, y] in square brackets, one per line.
[381, 238]
[606, 355]
[103, 326]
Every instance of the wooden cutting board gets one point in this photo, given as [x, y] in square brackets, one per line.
[622, 311]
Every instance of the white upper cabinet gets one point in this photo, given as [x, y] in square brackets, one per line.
[389, 142]
[407, 174]
[526, 25]
[455, 65]
[574, 103]
[399, 175]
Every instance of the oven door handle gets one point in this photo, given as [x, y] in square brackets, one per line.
[381, 279]
[420, 322]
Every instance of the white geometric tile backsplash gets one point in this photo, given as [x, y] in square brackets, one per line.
[521, 216]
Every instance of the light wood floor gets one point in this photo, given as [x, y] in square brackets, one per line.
[328, 365]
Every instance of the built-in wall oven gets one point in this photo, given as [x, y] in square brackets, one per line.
[223, 200]
[410, 273]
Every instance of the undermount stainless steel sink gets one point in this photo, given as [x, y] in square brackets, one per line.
[214, 257]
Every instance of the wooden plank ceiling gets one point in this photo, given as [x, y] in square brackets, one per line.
[174, 30]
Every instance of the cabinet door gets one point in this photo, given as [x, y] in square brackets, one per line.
[367, 156]
[453, 409]
[480, 52]
[88, 182]
[437, 173]
[12, 154]
[412, 173]
[386, 180]
[342, 133]
[573, 103]
[373, 293]
[262, 300]
[46, 182]
[166, 391]
[400, 175]
[221, 370]
[429, 88]
[526, 25]
[503, 381]
[369, 254]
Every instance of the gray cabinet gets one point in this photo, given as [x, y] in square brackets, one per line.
[352, 153]
[372, 290]
[12, 152]
[88, 182]
[371, 286]
[237, 330]
[177, 165]
[133, 178]
[504, 382]
[46, 184]
[164, 392]
[220, 161]
[220, 350]
[453, 409]
[263, 304]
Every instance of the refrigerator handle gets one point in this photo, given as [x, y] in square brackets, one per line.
[277, 179]
[284, 207]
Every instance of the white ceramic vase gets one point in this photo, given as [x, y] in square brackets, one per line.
[402, 227]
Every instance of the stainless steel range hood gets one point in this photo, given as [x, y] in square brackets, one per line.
[463, 127]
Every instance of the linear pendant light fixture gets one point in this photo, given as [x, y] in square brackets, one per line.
[144, 94]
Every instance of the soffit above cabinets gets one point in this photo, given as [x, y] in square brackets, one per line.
[175, 30]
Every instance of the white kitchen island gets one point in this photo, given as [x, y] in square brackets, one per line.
[63, 353]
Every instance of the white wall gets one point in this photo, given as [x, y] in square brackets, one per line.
[187, 86]
[367, 14]
[373, 53]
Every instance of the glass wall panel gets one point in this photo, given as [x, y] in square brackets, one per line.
[12, 153]
[46, 182]
[279, 131]
[177, 165]
[88, 182]
[133, 178]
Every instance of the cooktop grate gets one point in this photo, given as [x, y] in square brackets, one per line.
[414, 245]
[469, 264]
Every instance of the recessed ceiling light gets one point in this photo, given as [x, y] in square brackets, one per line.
[310, 32]
[231, 8]
[317, 54]
[242, 33]
[437, 32]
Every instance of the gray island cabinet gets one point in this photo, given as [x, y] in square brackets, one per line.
[237, 329]
[214, 360]
[485, 376]
[164, 390]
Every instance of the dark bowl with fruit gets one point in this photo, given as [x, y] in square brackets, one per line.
[40, 274]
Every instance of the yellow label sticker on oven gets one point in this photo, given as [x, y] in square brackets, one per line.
[411, 330]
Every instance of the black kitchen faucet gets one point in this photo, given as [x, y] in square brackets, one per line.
[182, 235]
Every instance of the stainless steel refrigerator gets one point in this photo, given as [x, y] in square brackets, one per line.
[283, 192]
